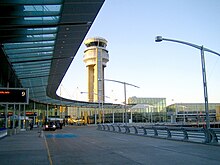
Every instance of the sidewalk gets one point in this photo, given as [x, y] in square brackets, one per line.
[25, 148]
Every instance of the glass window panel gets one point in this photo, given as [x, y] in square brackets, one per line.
[28, 50]
[32, 69]
[37, 73]
[34, 64]
[26, 44]
[32, 1]
[37, 22]
[29, 57]
[42, 63]
[41, 18]
[42, 7]
[32, 55]
[50, 28]
[16, 60]
[42, 30]
[36, 13]
[41, 35]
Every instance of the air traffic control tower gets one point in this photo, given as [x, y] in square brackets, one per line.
[95, 57]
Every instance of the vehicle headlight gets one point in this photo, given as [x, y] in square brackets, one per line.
[46, 126]
[54, 126]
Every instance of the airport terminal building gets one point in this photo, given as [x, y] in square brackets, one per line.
[39, 40]
[148, 109]
[192, 112]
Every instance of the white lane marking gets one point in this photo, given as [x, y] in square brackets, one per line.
[121, 139]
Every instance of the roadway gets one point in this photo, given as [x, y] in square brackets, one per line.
[88, 146]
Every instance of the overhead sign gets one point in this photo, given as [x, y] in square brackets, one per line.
[14, 96]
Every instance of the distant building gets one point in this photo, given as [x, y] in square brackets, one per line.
[152, 109]
[192, 112]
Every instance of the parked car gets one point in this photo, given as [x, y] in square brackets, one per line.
[50, 126]
[58, 122]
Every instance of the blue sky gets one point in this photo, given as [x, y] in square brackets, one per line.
[164, 69]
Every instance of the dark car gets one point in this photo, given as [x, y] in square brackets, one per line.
[50, 126]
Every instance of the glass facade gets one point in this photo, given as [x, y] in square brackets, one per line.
[35, 113]
[108, 114]
[152, 109]
[192, 112]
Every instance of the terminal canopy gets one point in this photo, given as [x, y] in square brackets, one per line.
[40, 38]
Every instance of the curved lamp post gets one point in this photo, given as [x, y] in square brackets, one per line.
[202, 49]
[126, 115]
[99, 106]
[95, 109]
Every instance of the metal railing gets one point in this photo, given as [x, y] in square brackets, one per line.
[188, 134]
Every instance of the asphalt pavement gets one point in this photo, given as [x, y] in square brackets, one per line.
[24, 148]
[85, 145]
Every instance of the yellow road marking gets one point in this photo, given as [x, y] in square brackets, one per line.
[48, 152]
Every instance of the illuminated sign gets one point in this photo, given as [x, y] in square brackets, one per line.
[2, 114]
[14, 96]
[31, 113]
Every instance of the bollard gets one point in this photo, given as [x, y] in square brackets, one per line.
[9, 132]
[14, 131]
[41, 134]
[18, 130]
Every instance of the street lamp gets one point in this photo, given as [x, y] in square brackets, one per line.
[202, 49]
[95, 109]
[99, 106]
[126, 116]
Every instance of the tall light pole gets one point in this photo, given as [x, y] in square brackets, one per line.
[202, 49]
[98, 106]
[95, 109]
[126, 116]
